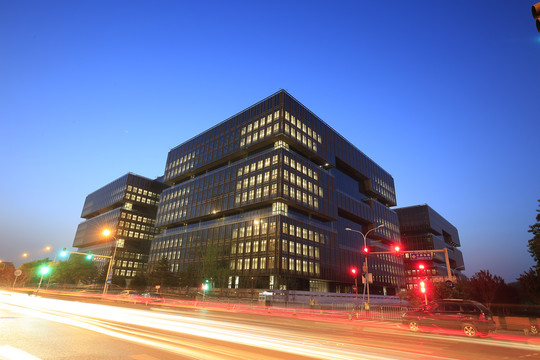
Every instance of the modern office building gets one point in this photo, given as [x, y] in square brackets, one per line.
[422, 228]
[127, 207]
[272, 189]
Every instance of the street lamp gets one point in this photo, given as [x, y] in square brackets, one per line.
[108, 279]
[365, 267]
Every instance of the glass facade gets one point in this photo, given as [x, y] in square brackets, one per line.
[422, 228]
[273, 188]
[127, 207]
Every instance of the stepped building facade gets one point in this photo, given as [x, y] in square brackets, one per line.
[268, 194]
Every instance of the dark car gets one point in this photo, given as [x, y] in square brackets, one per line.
[469, 317]
[150, 297]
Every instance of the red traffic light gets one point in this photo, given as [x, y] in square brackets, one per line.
[397, 248]
[366, 250]
[421, 266]
[353, 271]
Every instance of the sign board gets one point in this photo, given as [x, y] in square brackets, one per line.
[109, 282]
[449, 283]
[370, 278]
[18, 272]
[421, 256]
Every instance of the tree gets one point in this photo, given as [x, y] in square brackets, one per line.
[139, 281]
[530, 280]
[162, 275]
[460, 290]
[7, 274]
[75, 270]
[534, 243]
[215, 268]
[189, 276]
[530, 283]
[485, 286]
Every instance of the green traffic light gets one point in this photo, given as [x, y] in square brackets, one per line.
[89, 256]
[63, 253]
[44, 270]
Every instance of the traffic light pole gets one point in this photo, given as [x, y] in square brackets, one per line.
[106, 287]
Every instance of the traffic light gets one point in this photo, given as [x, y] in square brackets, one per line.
[366, 250]
[64, 252]
[421, 266]
[536, 15]
[397, 248]
[89, 256]
[354, 271]
[205, 286]
[44, 270]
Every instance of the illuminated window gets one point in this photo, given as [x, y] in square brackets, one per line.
[258, 194]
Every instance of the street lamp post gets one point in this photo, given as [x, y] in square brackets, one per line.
[107, 232]
[365, 268]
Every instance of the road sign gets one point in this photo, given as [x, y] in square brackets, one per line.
[18, 272]
[449, 283]
[421, 256]
[109, 282]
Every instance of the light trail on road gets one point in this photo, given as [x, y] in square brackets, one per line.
[198, 337]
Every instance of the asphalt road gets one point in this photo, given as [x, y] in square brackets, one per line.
[34, 327]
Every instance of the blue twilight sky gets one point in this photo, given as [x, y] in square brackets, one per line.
[444, 95]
